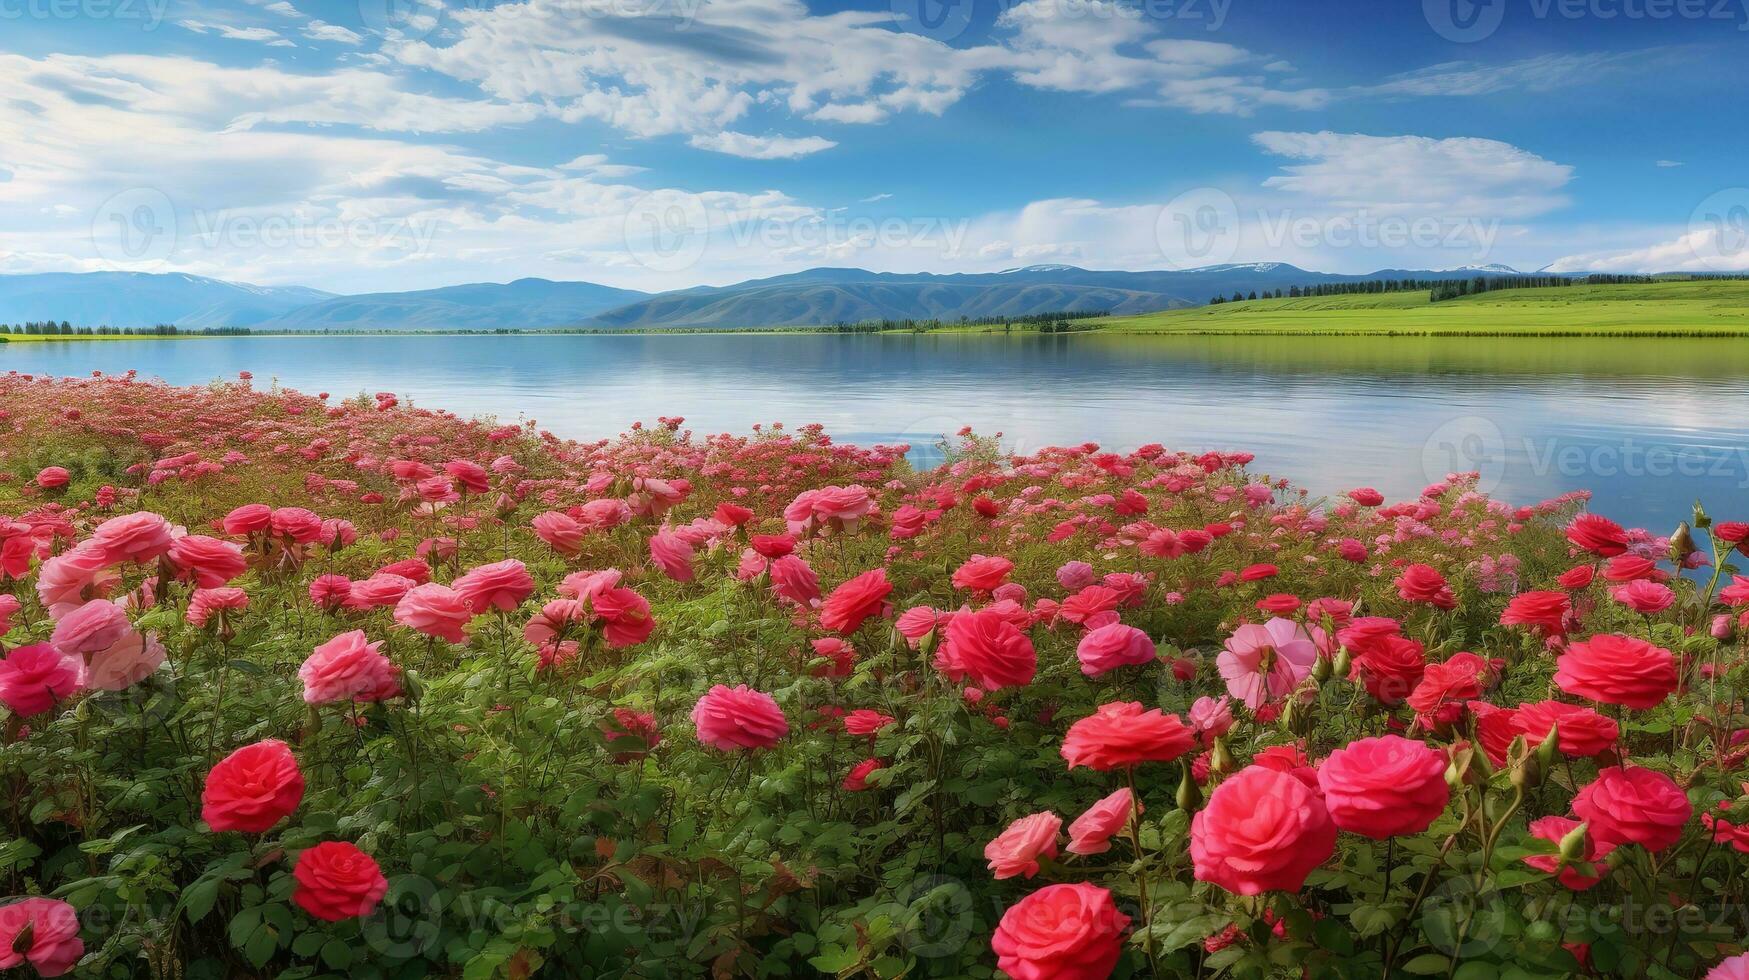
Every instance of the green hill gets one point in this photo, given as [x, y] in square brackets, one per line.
[1675, 308]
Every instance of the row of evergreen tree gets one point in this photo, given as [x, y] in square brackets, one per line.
[1062, 322]
[1444, 289]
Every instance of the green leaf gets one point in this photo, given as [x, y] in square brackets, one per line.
[1428, 964]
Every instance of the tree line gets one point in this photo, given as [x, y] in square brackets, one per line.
[49, 328]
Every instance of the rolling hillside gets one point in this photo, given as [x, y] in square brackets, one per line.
[526, 304]
[139, 299]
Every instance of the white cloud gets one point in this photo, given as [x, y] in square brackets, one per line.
[1669, 163]
[1701, 250]
[668, 69]
[1418, 174]
[874, 198]
[258, 34]
[317, 30]
[761, 147]
[247, 201]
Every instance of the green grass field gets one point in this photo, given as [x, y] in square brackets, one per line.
[1691, 308]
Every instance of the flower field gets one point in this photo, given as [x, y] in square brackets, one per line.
[301, 686]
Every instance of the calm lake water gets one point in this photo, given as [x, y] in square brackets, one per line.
[1647, 424]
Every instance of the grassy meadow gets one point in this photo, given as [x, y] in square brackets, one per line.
[1718, 307]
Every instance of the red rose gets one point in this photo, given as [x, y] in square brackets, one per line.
[856, 780]
[1581, 730]
[1262, 830]
[1576, 578]
[986, 648]
[1628, 568]
[1438, 699]
[1258, 572]
[852, 603]
[253, 788]
[337, 881]
[1279, 604]
[1423, 583]
[1631, 805]
[1385, 786]
[1061, 932]
[1089, 603]
[1598, 535]
[1121, 734]
[1366, 496]
[624, 616]
[1389, 666]
[1617, 669]
[1496, 727]
[982, 574]
[1735, 532]
[1546, 611]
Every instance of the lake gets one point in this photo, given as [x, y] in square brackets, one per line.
[1648, 424]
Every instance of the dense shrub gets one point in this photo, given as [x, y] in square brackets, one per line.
[302, 688]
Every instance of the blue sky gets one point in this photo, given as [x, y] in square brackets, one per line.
[398, 144]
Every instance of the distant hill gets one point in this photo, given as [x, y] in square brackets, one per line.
[813, 297]
[528, 304]
[139, 299]
[824, 296]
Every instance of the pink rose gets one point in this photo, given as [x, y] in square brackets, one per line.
[731, 718]
[346, 668]
[1061, 932]
[435, 610]
[1115, 645]
[1262, 830]
[1015, 852]
[1092, 831]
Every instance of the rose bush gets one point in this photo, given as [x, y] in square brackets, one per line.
[302, 687]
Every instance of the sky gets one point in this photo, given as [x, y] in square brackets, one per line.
[382, 145]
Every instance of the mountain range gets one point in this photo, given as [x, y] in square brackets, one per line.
[813, 297]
